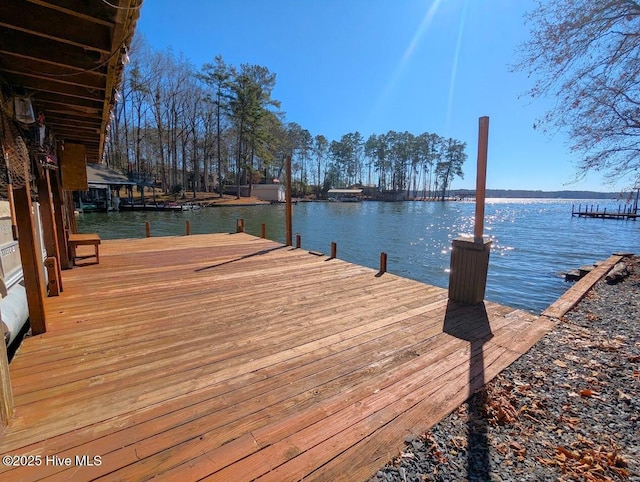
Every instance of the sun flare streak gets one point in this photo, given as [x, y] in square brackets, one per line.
[408, 53]
[426, 21]
[454, 68]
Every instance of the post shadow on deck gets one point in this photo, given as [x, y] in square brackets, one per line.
[467, 286]
[471, 323]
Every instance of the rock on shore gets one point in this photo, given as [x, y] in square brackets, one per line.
[569, 409]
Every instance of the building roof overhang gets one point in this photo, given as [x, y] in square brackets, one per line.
[67, 57]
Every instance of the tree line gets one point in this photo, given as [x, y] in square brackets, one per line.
[218, 127]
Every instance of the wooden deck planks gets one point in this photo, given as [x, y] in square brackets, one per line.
[208, 355]
[574, 294]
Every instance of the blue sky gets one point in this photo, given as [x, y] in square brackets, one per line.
[378, 65]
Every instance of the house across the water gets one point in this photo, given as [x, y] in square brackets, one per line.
[345, 195]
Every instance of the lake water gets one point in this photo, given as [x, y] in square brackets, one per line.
[534, 241]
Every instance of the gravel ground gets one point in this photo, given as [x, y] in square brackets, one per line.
[569, 409]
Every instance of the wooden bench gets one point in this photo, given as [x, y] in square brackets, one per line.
[76, 240]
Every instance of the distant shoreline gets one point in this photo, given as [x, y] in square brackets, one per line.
[523, 193]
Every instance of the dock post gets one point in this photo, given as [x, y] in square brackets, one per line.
[6, 391]
[240, 225]
[51, 265]
[383, 262]
[147, 226]
[188, 228]
[470, 256]
[288, 210]
[263, 231]
[298, 240]
[334, 250]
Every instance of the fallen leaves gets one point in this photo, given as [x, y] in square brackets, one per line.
[587, 392]
[560, 363]
[589, 464]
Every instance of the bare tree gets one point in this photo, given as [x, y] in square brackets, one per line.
[585, 54]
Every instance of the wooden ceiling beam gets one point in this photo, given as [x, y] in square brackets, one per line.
[101, 13]
[73, 103]
[95, 83]
[17, 44]
[63, 73]
[54, 25]
[56, 88]
[64, 118]
[80, 127]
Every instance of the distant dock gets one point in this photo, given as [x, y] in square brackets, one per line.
[588, 211]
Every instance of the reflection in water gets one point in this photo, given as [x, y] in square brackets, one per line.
[533, 240]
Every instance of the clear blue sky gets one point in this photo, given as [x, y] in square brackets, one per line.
[378, 65]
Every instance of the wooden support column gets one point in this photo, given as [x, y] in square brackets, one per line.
[239, 225]
[47, 216]
[53, 286]
[14, 225]
[59, 216]
[288, 206]
[481, 177]
[31, 260]
[470, 256]
[6, 392]
[70, 212]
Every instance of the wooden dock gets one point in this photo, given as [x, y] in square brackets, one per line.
[231, 357]
[624, 212]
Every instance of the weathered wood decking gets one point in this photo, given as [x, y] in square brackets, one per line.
[230, 357]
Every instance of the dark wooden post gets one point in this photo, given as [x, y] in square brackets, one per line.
[50, 231]
[383, 262]
[31, 260]
[12, 209]
[59, 214]
[188, 228]
[470, 257]
[147, 226]
[6, 392]
[298, 240]
[334, 250]
[263, 230]
[288, 206]
[240, 225]
[51, 265]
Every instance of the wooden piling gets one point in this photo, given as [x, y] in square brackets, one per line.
[240, 225]
[288, 206]
[298, 240]
[147, 226]
[51, 265]
[188, 228]
[12, 210]
[334, 250]
[263, 231]
[481, 176]
[6, 391]
[383, 262]
[470, 257]
[31, 258]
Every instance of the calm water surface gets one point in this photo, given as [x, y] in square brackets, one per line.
[533, 240]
